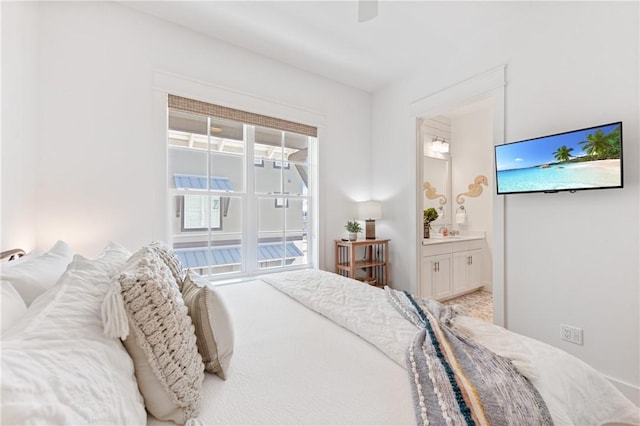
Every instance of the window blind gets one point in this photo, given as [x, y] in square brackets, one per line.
[180, 103]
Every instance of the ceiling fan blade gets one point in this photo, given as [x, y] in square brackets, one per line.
[367, 10]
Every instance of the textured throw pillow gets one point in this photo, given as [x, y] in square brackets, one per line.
[170, 258]
[57, 365]
[34, 276]
[161, 339]
[13, 307]
[214, 329]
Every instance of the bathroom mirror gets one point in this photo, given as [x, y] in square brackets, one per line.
[436, 190]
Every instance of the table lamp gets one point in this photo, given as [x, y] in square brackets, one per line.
[370, 211]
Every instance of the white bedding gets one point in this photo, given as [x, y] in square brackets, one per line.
[293, 366]
[58, 367]
[575, 393]
[311, 347]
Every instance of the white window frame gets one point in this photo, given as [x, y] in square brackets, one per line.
[165, 83]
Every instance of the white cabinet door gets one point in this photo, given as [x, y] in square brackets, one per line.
[474, 270]
[436, 277]
[467, 270]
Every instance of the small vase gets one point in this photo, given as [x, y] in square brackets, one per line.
[353, 236]
[426, 231]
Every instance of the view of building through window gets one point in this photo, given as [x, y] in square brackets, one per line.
[239, 194]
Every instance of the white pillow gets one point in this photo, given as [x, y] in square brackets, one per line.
[113, 258]
[13, 307]
[33, 277]
[57, 365]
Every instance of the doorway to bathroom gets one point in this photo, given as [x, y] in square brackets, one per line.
[465, 256]
[457, 181]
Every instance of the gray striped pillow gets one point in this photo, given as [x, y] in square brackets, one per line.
[214, 329]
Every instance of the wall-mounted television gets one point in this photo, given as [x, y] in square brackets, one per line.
[589, 158]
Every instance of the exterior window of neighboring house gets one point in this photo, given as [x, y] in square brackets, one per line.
[200, 213]
[240, 187]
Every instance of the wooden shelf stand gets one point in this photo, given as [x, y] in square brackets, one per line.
[372, 267]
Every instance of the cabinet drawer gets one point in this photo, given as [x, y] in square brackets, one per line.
[469, 245]
[435, 249]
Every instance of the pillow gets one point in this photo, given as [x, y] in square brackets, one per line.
[59, 368]
[170, 258]
[113, 258]
[34, 276]
[13, 307]
[214, 330]
[162, 340]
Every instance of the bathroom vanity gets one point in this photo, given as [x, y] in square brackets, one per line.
[451, 266]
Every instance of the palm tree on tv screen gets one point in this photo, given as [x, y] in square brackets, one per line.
[599, 145]
[613, 148]
[563, 154]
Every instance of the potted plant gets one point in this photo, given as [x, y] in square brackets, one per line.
[428, 216]
[353, 227]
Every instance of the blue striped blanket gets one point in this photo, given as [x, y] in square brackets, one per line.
[458, 382]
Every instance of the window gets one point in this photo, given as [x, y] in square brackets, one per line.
[240, 187]
[195, 216]
[281, 202]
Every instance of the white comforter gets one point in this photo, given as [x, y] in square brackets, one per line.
[293, 366]
[575, 393]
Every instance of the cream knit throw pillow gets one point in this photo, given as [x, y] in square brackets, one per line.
[162, 340]
[170, 258]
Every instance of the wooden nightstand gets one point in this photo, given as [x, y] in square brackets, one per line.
[365, 260]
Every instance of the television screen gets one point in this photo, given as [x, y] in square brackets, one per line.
[588, 158]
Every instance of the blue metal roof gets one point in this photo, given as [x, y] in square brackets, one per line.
[200, 182]
[229, 255]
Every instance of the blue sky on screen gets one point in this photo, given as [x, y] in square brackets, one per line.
[533, 152]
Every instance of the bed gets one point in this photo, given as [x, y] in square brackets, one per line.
[299, 347]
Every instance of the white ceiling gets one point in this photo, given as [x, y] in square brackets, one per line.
[324, 37]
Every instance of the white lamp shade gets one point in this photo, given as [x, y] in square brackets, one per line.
[370, 210]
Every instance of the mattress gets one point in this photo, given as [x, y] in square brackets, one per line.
[292, 365]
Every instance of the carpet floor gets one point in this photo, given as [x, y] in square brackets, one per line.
[479, 304]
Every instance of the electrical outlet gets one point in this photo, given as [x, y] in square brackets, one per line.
[571, 334]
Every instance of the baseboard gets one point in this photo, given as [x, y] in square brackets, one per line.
[630, 391]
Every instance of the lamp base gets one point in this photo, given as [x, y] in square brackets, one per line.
[370, 229]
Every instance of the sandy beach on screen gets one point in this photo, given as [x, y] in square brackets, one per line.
[597, 164]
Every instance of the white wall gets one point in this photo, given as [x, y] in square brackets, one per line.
[471, 156]
[19, 126]
[95, 151]
[570, 258]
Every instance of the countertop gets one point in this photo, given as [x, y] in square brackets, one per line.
[439, 239]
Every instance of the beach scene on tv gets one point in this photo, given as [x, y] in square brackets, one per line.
[587, 158]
